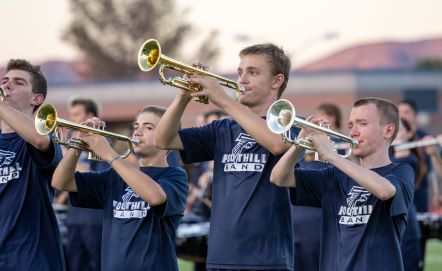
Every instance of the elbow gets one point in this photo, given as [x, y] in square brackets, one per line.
[387, 194]
[279, 149]
[275, 180]
[57, 185]
[159, 143]
[156, 201]
[42, 143]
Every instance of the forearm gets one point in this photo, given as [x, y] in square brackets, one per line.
[283, 172]
[23, 125]
[63, 178]
[144, 186]
[436, 162]
[166, 134]
[370, 180]
[255, 126]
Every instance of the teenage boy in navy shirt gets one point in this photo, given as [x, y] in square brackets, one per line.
[29, 234]
[142, 205]
[250, 219]
[365, 205]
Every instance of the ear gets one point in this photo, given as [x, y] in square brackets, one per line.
[278, 80]
[38, 99]
[389, 130]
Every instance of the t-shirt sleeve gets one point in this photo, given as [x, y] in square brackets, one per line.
[402, 177]
[310, 185]
[91, 188]
[174, 184]
[46, 161]
[199, 143]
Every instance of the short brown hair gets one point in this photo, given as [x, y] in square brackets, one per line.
[38, 80]
[332, 110]
[388, 111]
[155, 109]
[90, 106]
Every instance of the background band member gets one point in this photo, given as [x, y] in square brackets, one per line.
[410, 246]
[250, 219]
[435, 155]
[84, 224]
[142, 205]
[365, 205]
[29, 234]
[408, 110]
[307, 220]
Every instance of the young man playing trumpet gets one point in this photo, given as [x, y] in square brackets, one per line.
[364, 206]
[29, 234]
[142, 205]
[250, 220]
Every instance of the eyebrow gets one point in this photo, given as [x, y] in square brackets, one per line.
[15, 79]
[144, 123]
[248, 69]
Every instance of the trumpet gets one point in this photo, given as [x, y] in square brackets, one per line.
[46, 121]
[149, 56]
[281, 116]
[416, 144]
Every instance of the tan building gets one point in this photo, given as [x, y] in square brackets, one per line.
[120, 101]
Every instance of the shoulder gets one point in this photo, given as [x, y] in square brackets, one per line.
[173, 173]
[400, 167]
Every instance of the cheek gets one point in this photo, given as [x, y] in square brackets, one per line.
[149, 136]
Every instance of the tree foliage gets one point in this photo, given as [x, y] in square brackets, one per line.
[429, 64]
[109, 33]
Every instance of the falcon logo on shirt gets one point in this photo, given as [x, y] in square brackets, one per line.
[128, 207]
[244, 142]
[356, 212]
[357, 195]
[6, 157]
[129, 194]
[240, 159]
[8, 172]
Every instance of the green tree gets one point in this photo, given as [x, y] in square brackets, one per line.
[429, 64]
[109, 33]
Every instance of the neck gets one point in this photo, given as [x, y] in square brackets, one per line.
[261, 109]
[375, 160]
[6, 128]
[158, 160]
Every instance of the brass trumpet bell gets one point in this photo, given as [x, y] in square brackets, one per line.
[281, 117]
[46, 121]
[149, 56]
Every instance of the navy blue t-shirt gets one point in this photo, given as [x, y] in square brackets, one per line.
[251, 224]
[87, 216]
[421, 194]
[410, 245]
[135, 236]
[307, 228]
[29, 234]
[359, 231]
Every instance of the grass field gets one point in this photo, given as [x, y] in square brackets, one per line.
[433, 258]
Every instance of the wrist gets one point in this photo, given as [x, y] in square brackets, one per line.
[116, 158]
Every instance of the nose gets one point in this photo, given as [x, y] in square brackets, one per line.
[354, 132]
[137, 131]
[243, 79]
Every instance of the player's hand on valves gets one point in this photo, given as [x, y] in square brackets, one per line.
[97, 143]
